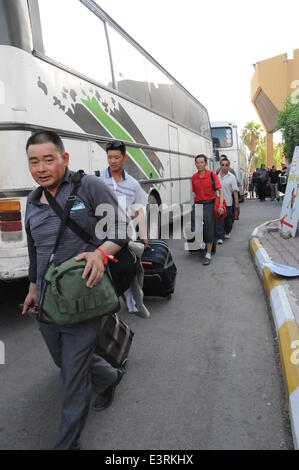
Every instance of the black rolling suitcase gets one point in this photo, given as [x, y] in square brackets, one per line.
[159, 270]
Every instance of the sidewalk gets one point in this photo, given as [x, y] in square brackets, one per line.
[267, 245]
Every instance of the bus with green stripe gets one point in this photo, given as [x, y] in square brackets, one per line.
[69, 67]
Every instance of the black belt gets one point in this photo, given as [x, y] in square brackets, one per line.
[210, 201]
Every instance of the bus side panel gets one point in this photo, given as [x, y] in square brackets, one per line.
[14, 172]
[14, 261]
[15, 183]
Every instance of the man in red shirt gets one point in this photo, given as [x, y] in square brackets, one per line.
[204, 194]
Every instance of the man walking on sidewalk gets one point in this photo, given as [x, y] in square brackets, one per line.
[262, 176]
[274, 175]
[132, 198]
[71, 346]
[204, 194]
[230, 190]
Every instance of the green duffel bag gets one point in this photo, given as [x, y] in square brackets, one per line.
[66, 300]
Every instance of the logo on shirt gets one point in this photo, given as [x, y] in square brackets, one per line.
[78, 207]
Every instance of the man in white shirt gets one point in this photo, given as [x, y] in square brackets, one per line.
[230, 190]
[131, 197]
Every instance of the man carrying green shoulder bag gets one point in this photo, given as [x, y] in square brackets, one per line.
[70, 309]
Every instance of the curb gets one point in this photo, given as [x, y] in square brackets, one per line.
[285, 325]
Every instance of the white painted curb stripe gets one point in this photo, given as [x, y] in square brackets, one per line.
[254, 233]
[261, 257]
[294, 415]
[280, 306]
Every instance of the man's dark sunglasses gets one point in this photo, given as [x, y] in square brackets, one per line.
[116, 144]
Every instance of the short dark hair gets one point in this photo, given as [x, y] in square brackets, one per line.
[201, 155]
[223, 156]
[41, 137]
[225, 159]
[116, 145]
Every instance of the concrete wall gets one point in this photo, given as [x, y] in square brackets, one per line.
[278, 78]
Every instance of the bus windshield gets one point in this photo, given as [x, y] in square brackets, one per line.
[222, 137]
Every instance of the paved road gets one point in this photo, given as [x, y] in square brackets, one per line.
[204, 369]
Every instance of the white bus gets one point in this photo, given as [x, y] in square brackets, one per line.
[65, 65]
[227, 141]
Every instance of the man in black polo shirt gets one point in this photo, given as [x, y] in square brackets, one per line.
[274, 175]
[72, 346]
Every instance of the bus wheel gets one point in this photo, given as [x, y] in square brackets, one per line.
[153, 219]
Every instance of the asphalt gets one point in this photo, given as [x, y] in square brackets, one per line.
[203, 372]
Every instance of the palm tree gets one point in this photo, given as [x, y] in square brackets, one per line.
[252, 135]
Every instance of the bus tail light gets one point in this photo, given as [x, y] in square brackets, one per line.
[10, 216]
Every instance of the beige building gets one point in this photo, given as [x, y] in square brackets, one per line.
[273, 80]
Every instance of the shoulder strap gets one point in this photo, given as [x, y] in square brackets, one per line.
[63, 214]
[213, 181]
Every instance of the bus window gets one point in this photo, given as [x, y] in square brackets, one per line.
[129, 68]
[205, 128]
[179, 104]
[75, 37]
[189, 113]
[222, 137]
[160, 90]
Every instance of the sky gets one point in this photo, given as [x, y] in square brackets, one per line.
[210, 46]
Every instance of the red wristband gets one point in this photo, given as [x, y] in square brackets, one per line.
[107, 257]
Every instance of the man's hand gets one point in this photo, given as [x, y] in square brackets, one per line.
[94, 267]
[31, 298]
[220, 211]
[145, 241]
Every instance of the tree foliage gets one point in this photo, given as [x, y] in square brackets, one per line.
[261, 154]
[288, 124]
[278, 154]
[252, 136]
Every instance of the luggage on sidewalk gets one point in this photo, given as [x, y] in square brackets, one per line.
[159, 270]
[115, 340]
